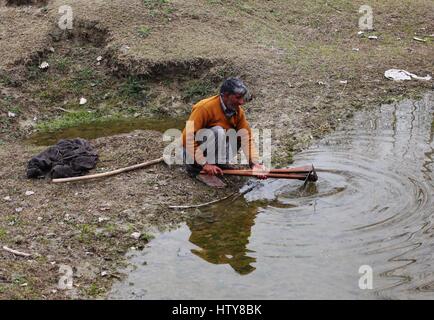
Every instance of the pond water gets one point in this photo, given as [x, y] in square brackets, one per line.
[372, 206]
[106, 128]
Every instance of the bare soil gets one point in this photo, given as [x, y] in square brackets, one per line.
[304, 62]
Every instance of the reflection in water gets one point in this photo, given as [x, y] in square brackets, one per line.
[222, 232]
[372, 205]
[223, 235]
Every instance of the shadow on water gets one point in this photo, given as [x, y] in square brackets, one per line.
[106, 128]
[372, 206]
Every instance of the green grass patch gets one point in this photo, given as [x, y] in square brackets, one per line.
[3, 233]
[153, 4]
[19, 279]
[13, 220]
[94, 290]
[134, 87]
[87, 232]
[15, 109]
[5, 79]
[144, 31]
[75, 119]
[196, 90]
[147, 237]
[82, 80]
[63, 64]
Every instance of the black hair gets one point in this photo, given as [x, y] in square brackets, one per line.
[233, 86]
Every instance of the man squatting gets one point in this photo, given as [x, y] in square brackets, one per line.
[219, 114]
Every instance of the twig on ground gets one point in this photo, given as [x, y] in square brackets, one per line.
[64, 110]
[15, 252]
[202, 204]
[236, 194]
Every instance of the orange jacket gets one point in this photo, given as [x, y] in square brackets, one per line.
[209, 113]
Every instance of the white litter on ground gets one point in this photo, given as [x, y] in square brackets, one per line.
[44, 65]
[401, 75]
[136, 235]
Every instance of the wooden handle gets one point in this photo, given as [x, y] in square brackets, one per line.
[109, 173]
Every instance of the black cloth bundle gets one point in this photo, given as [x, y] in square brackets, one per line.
[68, 158]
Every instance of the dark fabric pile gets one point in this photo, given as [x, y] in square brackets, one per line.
[68, 158]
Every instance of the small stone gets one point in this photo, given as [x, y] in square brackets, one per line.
[44, 65]
[99, 58]
[39, 218]
[53, 263]
[83, 101]
[356, 49]
[372, 37]
[360, 33]
[102, 219]
[51, 49]
[343, 82]
[124, 49]
[54, 291]
[7, 198]
[19, 209]
[104, 274]
[11, 114]
[29, 193]
[136, 235]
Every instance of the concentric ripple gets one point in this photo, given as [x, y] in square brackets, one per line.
[372, 206]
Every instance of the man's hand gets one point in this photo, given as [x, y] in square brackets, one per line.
[212, 169]
[259, 167]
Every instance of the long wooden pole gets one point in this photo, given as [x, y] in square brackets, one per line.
[250, 173]
[109, 173]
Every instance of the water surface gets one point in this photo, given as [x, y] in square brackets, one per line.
[372, 205]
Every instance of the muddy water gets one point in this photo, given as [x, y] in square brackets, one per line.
[106, 128]
[372, 207]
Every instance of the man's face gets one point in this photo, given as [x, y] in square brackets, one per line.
[233, 101]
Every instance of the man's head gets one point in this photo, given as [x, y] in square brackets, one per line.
[233, 92]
